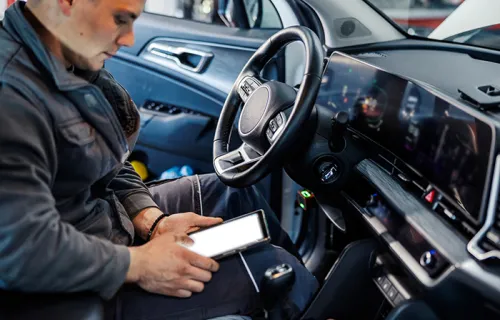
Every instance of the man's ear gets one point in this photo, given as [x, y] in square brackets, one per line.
[65, 6]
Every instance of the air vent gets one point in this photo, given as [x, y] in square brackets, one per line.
[371, 55]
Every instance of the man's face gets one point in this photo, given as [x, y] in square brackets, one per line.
[96, 29]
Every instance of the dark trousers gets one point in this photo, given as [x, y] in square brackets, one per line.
[234, 290]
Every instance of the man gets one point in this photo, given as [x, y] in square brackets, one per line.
[71, 205]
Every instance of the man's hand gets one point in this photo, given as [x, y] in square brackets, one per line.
[183, 223]
[163, 266]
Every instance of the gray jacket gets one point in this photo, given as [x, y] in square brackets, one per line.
[67, 195]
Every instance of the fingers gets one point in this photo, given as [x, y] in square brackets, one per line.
[202, 262]
[201, 221]
[193, 286]
[180, 293]
[188, 287]
[199, 274]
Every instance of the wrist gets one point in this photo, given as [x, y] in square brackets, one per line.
[134, 269]
[144, 221]
[152, 230]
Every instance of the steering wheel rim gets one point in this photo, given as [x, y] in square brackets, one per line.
[254, 168]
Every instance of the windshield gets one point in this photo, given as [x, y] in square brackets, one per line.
[471, 22]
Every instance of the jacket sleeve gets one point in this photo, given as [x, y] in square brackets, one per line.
[127, 185]
[38, 251]
[131, 191]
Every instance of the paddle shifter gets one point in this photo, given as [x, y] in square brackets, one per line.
[274, 288]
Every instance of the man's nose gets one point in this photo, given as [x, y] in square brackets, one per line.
[126, 39]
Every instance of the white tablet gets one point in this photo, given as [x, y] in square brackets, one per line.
[231, 236]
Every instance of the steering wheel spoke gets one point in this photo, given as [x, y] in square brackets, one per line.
[237, 160]
[248, 85]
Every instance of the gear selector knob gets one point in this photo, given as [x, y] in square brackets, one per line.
[275, 285]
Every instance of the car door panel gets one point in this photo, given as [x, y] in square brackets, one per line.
[145, 83]
[168, 138]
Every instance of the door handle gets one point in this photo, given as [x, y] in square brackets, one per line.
[186, 58]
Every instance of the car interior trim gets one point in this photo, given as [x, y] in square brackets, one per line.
[473, 245]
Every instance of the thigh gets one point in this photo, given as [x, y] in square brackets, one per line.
[230, 292]
[177, 196]
[208, 196]
[234, 290]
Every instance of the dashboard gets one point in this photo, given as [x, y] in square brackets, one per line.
[436, 138]
[418, 163]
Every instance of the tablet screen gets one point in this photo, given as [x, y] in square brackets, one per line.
[228, 236]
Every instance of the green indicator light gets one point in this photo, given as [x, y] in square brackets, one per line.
[350, 70]
[374, 80]
[302, 206]
[306, 194]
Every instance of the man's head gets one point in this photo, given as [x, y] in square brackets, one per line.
[90, 31]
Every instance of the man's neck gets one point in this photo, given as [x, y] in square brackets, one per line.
[48, 39]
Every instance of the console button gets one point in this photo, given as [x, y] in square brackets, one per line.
[273, 126]
[380, 280]
[392, 293]
[386, 285]
[430, 196]
[399, 299]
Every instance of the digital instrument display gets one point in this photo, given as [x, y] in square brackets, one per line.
[440, 141]
[231, 236]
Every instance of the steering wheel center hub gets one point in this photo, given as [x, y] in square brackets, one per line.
[254, 110]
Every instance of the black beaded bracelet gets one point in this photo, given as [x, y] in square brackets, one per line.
[150, 233]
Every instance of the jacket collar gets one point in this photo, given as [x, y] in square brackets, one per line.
[20, 29]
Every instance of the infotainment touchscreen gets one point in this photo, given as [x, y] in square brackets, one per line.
[437, 139]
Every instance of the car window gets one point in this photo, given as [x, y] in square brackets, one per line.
[4, 4]
[231, 13]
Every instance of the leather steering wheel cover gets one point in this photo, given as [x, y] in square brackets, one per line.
[301, 111]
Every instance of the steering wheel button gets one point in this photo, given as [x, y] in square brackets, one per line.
[273, 126]
[279, 120]
[254, 85]
[269, 134]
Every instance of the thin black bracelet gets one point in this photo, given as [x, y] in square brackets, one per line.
[150, 233]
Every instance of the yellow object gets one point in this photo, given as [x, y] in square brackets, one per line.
[141, 169]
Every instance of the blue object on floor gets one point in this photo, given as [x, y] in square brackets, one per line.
[186, 171]
[177, 172]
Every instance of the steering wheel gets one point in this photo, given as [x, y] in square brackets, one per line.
[266, 126]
